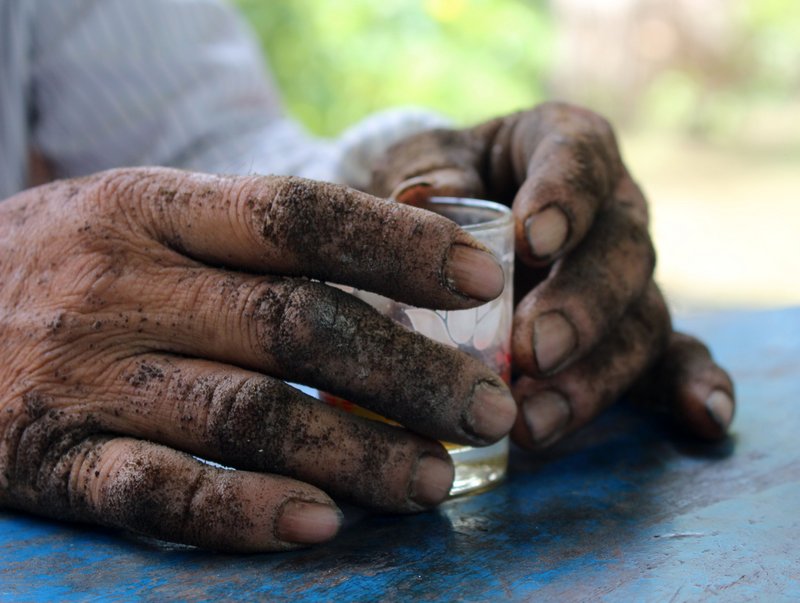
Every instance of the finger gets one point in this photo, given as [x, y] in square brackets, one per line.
[310, 333]
[690, 386]
[552, 408]
[559, 163]
[567, 163]
[249, 421]
[293, 226]
[584, 295]
[155, 491]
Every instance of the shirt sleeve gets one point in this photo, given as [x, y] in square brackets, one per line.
[179, 83]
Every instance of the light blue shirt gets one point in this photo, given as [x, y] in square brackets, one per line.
[95, 84]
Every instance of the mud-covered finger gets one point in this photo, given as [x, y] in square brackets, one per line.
[311, 333]
[691, 387]
[559, 164]
[571, 166]
[298, 227]
[552, 408]
[584, 295]
[155, 491]
[249, 421]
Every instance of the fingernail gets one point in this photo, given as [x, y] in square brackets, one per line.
[303, 522]
[547, 231]
[414, 191]
[547, 414]
[491, 413]
[432, 481]
[554, 339]
[474, 273]
[720, 408]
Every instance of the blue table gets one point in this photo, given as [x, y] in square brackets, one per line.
[627, 513]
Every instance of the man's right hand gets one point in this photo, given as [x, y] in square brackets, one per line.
[150, 315]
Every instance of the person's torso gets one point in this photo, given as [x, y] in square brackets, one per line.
[16, 50]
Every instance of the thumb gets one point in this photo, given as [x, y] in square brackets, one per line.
[436, 162]
[442, 182]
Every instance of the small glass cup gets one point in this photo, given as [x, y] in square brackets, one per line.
[483, 332]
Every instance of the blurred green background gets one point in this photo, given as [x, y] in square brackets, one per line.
[705, 94]
[338, 61]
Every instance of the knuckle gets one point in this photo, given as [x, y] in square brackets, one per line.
[280, 209]
[87, 291]
[40, 448]
[131, 201]
[601, 126]
[113, 186]
[589, 141]
[266, 309]
[313, 308]
[306, 225]
[294, 316]
[248, 421]
[590, 121]
[133, 493]
[229, 401]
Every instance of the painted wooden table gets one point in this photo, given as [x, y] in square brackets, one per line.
[628, 513]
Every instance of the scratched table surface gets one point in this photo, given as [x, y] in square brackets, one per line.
[627, 512]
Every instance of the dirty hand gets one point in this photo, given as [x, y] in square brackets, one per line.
[589, 322]
[150, 315]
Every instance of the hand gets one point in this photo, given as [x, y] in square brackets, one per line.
[138, 327]
[589, 322]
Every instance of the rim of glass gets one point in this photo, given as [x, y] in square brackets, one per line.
[503, 212]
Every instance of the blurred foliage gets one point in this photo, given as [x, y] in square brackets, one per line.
[471, 59]
[772, 32]
[338, 61]
[759, 74]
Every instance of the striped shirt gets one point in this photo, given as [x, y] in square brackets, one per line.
[95, 84]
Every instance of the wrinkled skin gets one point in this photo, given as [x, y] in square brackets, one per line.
[149, 315]
[590, 323]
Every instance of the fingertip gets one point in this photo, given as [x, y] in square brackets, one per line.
[720, 407]
[491, 413]
[307, 522]
[706, 410]
[431, 481]
[474, 273]
[703, 401]
[547, 232]
[547, 415]
[555, 339]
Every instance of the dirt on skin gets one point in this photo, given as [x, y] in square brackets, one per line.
[90, 375]
[608, 270]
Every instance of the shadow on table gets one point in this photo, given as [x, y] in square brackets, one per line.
[554, 516]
